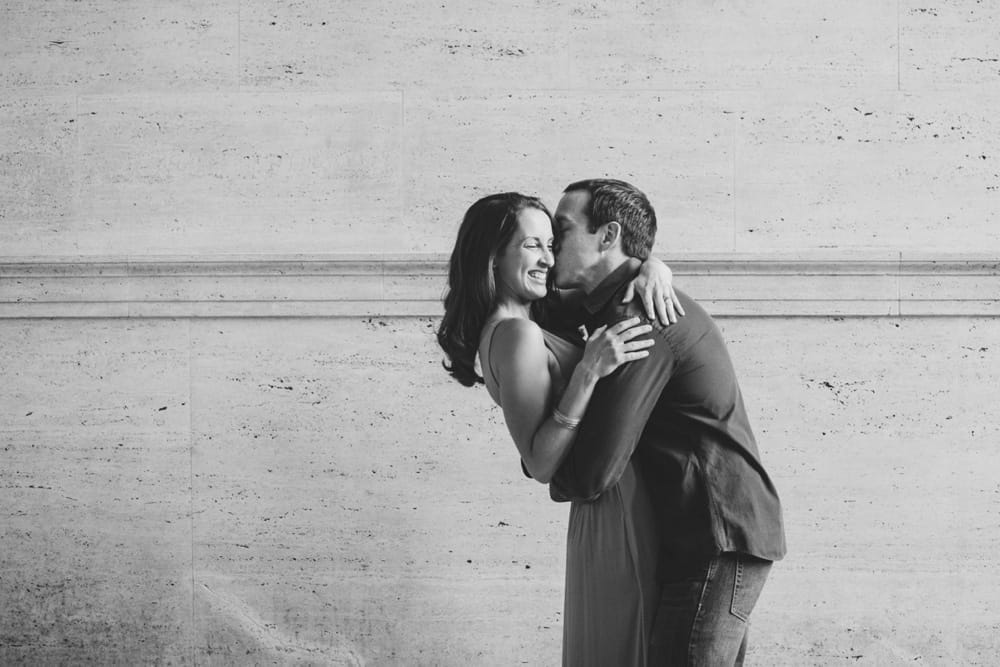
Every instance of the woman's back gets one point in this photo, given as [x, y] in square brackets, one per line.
[562, 356]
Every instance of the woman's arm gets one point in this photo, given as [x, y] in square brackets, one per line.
[654, 285]
[521, 361]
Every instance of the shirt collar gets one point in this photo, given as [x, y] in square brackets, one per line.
[597, 299]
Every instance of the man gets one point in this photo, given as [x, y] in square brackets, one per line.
[680, 414]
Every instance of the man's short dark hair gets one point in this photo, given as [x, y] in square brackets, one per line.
[611, 199]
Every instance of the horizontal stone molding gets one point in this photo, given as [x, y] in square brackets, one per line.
[729, 285]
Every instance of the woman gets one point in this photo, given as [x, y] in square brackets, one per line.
[498, 281]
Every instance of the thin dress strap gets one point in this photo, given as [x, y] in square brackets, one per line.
[489, 351]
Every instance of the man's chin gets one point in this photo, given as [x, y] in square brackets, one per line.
[565, 282]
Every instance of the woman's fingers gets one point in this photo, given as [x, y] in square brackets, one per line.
[667, 305]
[638, 345]
[629, 292]
[633, 356]
[648, 302]
[665, 310]
[623, 325]
[635, 331]
[675, 302]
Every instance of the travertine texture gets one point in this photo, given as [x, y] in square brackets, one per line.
[316, 491]
[320, 492]
[98, 45]
[96, 494]
[309, 126]
[238, 173]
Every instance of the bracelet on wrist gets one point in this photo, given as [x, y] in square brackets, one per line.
[564, 421]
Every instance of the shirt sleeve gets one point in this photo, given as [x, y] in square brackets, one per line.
[615, 419]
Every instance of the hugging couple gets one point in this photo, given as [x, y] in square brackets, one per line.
[629, 412]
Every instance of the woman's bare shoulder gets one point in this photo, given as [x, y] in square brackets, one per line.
[516, 333]
[516, 342]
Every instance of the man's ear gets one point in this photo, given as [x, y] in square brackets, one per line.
[611, 235]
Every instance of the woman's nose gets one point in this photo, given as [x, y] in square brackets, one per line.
[548, 258]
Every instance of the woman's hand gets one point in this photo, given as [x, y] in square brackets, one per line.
[610, 347]
[654, 285]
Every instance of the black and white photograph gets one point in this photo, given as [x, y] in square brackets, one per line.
[592, 334]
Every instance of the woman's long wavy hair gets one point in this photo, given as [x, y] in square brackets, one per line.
[487, 228]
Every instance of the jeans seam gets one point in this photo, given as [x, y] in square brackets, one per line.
[699, 610]
[737, 580]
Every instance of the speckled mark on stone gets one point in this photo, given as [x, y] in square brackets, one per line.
[267, 636]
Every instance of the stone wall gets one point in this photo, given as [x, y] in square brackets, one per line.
[226, 435]
[313, 126]
[318, 491]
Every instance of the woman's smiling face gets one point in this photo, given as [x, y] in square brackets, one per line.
[522, 269]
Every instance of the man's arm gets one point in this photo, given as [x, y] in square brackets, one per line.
[618, 411]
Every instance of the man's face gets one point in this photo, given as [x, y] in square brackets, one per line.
[577, 250]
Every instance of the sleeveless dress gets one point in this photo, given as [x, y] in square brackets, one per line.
[611, 551]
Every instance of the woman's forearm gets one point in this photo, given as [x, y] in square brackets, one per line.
[552, 439]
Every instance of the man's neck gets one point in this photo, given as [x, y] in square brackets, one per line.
[602, 269]
[598, 298]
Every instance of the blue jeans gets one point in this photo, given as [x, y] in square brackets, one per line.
[704, 613]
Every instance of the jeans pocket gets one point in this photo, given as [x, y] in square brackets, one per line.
[747, 585]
